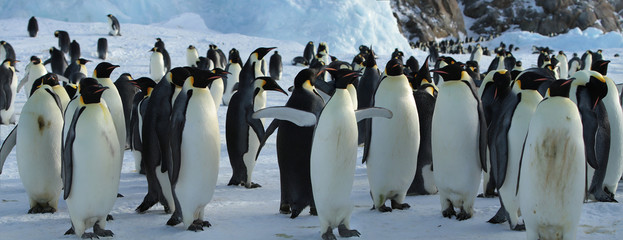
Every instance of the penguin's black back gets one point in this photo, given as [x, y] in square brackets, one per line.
[33, 27]
[102, 48]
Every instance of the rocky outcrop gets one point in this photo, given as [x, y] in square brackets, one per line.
[429, 19]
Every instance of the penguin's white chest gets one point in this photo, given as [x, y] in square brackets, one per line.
[192, 57]
[216, 90]
[156, 66]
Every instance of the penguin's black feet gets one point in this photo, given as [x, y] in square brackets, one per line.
[463, 215]
[400, 206]
[610, 194]
[109, 217]
[449, 212]
[40, 209]
[142, 171]
[519, 227]
[119, 195]
[384, 208]
[88, 235]
[500, 217]
[145, 205]
[284, 208]
[313, 211]
[253, 185]
[328, 235]
[345, 232]
[195, 227]
[295, 213]
[102, 232]
[234, 182]
[174, 220]
[70, 231]
[602, 196]
[202, 223]
[488, 195]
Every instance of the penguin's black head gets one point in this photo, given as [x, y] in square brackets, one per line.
[370, 60]
[109, 15]
[597, 88]
[268, 83]
[344, 77]
[322, 47]
[303, 76]
[518, 64]
[358, 59]
[333, 58]
[310, 43]
[394, 67]
[82, 61]
[56, 33]
[501, 82]
[103, 70]
[234, 56]
[420, 77]
[448, 60]
[202, 78]
[191, 47]
[76, 77]
[144, 84]
[220, 72]
[363, 49]
[450, 72]
[2, 42]
[91, 93]
[261, 52]
[159, 43]
[177, 76]
[50, 79]
[560, 88]
[155, 49]
[124, 77]
[600, 66]
[35, 60]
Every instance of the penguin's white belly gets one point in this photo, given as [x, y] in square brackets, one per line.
[96, 164]
[353, 94]
[35, 71]
[113, 101]
[455, 142]
[39, 148]
[156, 67]
[232, 79]
[253, 139]
[191, 58]
[615, 158]
[216, 90]
[165, 185]
[333, 160]
[394, 142]
[552, 173]
[200, 155]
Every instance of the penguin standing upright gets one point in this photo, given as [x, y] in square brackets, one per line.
[139, 107]
[309, 51]
[8, 88]
[551, 184]
[192, 56]
[77, 65]
[574, 64]
[63, 40]
[113, 24]
[563, 67]
[57, 60]
[275, 66]
[476, 54]
[368, 83]
[127, 90]
[243, 134]
[195, 150]
[217, 87]
[102, 48]
[392, 145]
[74, 50]
[165, 55]
[586, 60]
[156, 140]
[157, 68]
[34, 70]
[6, 51]
[213, 55]
[91, 157]
[231, 80]
[458, 142]
[33, 27]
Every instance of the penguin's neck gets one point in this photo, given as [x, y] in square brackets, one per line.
[259, 100]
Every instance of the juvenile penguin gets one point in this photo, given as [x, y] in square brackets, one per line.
[231, 80]
[458, 142]
[551, 184]
[39, 149]
[113, 24]
[392, 145]
[127, 90]
[195, 151]
[33, 27]
[63, 40]
[8, 89]
[91, 157]
[34, 70]
[192, 56]
[57, 60]
[157, 68]
[102, 48]
[275, 67]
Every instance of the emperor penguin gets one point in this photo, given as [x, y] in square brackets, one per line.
[459, 141]
[588, 91]
[156, 64]
[506, 135]
[33, 27]
[368, 83]
[34, 70]
[91, 157]
[309, 51]
[57, 60]
[476, 54]
[127, 89]
[358, 62]
[574, 64]
[8, 88]
[113, 100]
[586, 60]
[613, 108]
[155, 138]
[275, 66]
[139, 107]
[39, 149]
[563, 67]
[192, 56]
[231, 80]
[6, 51]
[195, 151]
[392, 145]
[217, 86]
[78, 65]
[74, 50]
[551, 184]
[165, 55]
[243, 134]
[323, 53]
[52, 80]
[213, 55]
[113, 24]
[63, 40]
[102, 48]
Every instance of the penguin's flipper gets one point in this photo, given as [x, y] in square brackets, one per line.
[57, 100]
[325, 87]
[482, 135]
[589, 126]
[7, 146]
[178, 120]
[255, 124]
[298, 117]
[67, 154]
[523, 148]
[269, 131]
[235, 87]
[361, 114]
[46, 62]
[498, 138]
[22, 82]
[5, 89]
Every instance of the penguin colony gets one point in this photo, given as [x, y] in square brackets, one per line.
[536, 135]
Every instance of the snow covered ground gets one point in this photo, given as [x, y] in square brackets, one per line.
[239, 213]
